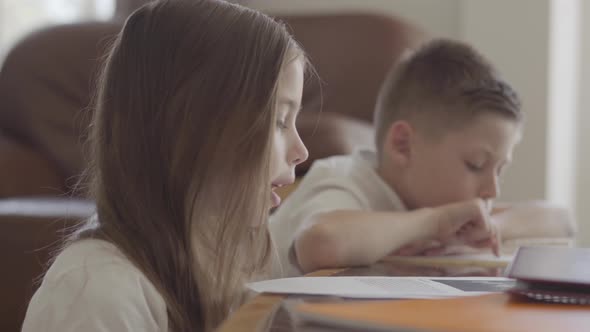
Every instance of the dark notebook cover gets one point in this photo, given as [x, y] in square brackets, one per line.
[552, 274]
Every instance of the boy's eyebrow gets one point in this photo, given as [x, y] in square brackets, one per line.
[490, 155]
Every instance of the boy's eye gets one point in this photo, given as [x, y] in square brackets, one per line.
[473, 167]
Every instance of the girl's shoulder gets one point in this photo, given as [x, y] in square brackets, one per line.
[93, 283]
[89, 256]
[96, 263]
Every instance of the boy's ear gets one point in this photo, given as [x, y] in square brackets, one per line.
[399, 142]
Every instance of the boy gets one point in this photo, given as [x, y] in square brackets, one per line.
[446, 126]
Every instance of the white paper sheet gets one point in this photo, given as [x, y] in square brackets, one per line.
[384, 287]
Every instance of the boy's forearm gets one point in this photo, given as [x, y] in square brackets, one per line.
[353, 238]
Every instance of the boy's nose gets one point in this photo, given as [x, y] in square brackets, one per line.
[490, 188]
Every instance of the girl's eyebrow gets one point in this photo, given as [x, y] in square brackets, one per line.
[291, 104]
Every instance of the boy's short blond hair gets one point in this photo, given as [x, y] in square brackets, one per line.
[441, 86]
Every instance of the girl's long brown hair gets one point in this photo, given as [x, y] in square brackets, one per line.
[179, 148]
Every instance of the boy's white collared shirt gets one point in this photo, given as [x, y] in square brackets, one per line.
[347, 182]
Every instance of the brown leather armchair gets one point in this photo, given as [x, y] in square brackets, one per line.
[30, 231]
[46, 83]
[45, 87]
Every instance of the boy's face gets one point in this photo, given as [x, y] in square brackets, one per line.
[462, 164]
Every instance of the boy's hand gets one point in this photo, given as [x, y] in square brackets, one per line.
[418, 248]
[466, 223]
[450, 250]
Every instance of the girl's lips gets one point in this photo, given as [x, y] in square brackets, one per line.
[275, 199]
[280, 183]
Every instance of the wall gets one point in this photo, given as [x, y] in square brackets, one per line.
[542, 56]
[432, 15]
[519, 50]
[583, 180]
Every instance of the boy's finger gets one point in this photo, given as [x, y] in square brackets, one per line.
[487, 243]
[496, 248]
[417, 248]
[435, 251]
[496, 241]
[461, 215]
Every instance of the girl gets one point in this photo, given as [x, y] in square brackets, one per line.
[194, 128]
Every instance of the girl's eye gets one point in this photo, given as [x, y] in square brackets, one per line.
[281, 124]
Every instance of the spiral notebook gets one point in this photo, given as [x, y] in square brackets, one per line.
[552, 274]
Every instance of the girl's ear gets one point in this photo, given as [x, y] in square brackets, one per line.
[398, 142]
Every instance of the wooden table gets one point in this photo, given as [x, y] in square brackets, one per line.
[255, 315]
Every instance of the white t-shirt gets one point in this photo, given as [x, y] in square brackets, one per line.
[92, 286]
[347, 182]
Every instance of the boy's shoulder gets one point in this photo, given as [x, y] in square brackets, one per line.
[358, 163]
[344, 178]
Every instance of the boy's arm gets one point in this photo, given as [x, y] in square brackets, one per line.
[534, 219]
[351, 238]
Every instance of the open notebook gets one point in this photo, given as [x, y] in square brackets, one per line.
[560, 275]
[384, 287]
[481, 257]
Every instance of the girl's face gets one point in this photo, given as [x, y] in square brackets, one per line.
[288, 150]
